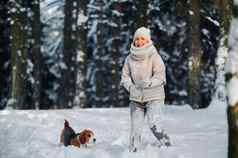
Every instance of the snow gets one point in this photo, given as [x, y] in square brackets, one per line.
[22, 9]
[13, 10]
[223, 53]
[232, 91]
[5, 112]
[93, 28]
[73, 28]
[19, 53]
[191, 12]
[11, 101]
[232, 64]
[63, 65]
[205, 32]
[35, 134]
[82, 19]
[215, 22]
[80, 55]
[236, 2]
[221, 58]
[183, 93]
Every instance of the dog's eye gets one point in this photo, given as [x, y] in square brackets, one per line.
[89, 135]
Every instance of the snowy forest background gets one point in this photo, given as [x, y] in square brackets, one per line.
[63, 54]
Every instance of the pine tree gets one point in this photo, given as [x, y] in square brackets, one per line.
[18, 53]
[120, 38]
[36, 53]
[195, 55]
[80, 98]
[5, 54]
[68, 79]
[52, 50]
[109, 36]
[96, 72]
[2, 28]
[209, 37]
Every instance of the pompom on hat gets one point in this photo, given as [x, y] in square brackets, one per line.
[142, 32]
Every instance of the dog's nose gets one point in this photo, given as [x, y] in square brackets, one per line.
[94, 139]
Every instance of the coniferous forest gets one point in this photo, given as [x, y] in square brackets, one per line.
[61, 54]
[69, 54]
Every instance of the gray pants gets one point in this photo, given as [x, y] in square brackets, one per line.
[152, 111]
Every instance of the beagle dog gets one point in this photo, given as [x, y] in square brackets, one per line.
[70, 137]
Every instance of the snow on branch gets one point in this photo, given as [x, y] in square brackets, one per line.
[215, 22]
[232, 64]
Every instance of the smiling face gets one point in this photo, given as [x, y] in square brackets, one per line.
[140, 41]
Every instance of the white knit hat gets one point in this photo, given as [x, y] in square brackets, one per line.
[142, 32]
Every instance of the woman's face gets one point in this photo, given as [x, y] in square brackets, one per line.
[140, 41]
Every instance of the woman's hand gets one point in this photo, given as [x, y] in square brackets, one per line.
[144, 84]
[135, 92]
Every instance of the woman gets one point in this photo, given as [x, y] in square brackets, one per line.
[143, 76]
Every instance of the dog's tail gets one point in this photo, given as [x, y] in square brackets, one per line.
[66, 123]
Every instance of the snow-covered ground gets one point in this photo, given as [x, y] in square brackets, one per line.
[35, 134]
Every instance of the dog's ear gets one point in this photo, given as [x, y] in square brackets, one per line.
[82, 138]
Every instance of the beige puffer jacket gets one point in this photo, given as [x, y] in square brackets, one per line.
[151, 69]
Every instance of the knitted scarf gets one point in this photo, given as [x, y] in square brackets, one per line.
[141, 53]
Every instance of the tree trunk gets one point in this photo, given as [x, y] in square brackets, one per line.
[116, 44]
[195, 55]
[68, 84]
[2, 48]
[232, 115]
[18, 54]
[82, 55]
[99, 76]
[231, 84]
[36, 53]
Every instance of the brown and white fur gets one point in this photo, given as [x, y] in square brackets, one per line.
[70, 137]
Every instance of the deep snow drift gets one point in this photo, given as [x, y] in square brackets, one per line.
[35, 134]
